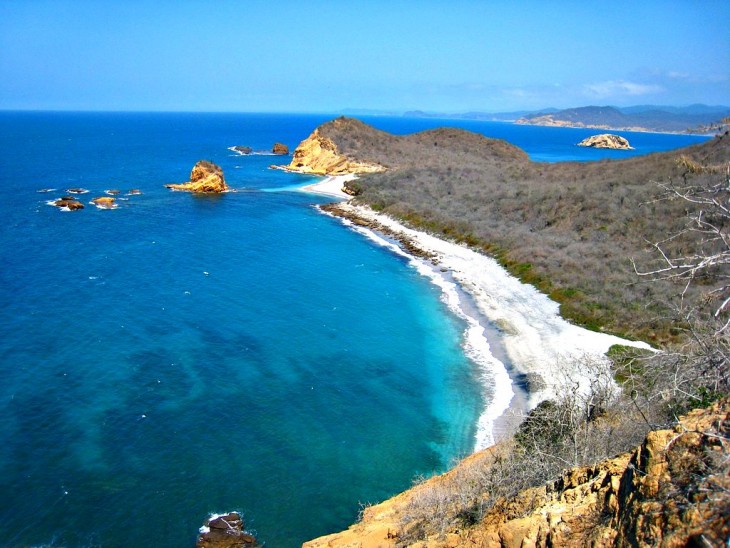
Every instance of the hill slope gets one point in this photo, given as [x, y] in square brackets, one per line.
[570, 228]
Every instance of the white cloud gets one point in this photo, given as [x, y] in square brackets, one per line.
[613, 88]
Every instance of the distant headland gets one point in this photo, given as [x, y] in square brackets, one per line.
[695, 119]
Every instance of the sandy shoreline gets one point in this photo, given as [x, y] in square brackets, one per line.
[515, 335]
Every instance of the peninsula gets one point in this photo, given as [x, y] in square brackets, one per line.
[578, 233]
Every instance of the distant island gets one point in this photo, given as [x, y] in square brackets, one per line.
[699, 119]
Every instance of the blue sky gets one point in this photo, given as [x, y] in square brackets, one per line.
[316, 56]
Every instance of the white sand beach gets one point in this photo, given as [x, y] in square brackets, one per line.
[539, 345]
[331, 186]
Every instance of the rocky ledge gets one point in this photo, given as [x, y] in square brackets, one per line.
[319, 155]
[204, 177]
[606, 140]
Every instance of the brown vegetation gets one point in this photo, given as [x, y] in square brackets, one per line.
[571, 229]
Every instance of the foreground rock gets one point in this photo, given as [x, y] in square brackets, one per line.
[319, 155]
[224, 532]
[672, 490]
[280, 148]
[606, 140]
[205, 177]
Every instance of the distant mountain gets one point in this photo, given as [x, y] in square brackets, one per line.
[476, 115]
[690, 119]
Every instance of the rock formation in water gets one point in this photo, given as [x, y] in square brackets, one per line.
[280, 148]
[606, 140]
[105, 202]
[319, 155]
[224, 532]
[68, 202]
[205, 177]
[672, 490]
[242, 149]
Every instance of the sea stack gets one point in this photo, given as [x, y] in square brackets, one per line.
[606, 140]
[205, 177]
[281, 149]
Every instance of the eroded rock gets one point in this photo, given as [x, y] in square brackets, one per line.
[606, 140]
[204, 177]
[280, 148]
[224, 531]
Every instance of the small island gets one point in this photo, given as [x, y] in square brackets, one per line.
[606, 140]
[204, 177]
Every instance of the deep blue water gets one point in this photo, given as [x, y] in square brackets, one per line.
[182, 355]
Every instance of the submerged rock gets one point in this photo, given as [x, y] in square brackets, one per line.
[242, 150]
[280, 148]
[205, 177]
[112, 192]
[77, 190]
[134, 192]
[224, 532]
[606, 140]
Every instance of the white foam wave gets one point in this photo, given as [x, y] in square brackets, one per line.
[46, 190]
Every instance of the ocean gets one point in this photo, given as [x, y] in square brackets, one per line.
[181, 355]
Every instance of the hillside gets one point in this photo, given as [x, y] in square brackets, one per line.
[649, 118]
[570, 228]
[673, 489]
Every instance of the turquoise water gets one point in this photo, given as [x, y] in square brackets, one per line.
[182, 355]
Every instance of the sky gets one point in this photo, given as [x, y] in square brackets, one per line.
[327, 56]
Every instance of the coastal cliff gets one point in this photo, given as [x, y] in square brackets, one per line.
[672, 490]
[319, 155]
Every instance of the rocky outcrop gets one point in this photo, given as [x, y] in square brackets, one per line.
[280, 148]
[242, 149]
[224, 532]
[205, 177]
[672, 490]
[69, 203]
[319, 155]
[104, 202]
[606, 140]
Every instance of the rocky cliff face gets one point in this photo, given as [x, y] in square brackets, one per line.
[204, 177]
[606, 140]
[319, 155]
[673, 490]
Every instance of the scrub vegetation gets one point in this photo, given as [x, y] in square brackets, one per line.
[637, 247]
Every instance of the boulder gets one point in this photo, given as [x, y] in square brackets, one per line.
[205, 177]
[280, 148]
[72, 204]
[224, 532]
[606, 140]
